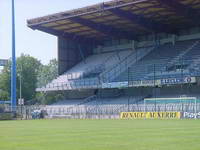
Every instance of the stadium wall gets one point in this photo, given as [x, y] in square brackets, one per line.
[81, 94]
[70, 53]
[143, 92]
[148, 40]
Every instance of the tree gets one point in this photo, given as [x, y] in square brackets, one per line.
[33, 75]
[47, 73]
[27, 68]
[5, 82]
[49, 97]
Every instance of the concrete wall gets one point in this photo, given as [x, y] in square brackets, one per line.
[78, 94]
[70, 53]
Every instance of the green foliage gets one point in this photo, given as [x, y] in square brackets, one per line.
[49, 97]
[32, 74]
[27, 68]
[4, 95]
[5, 82]
[6, 116]
[47, 73]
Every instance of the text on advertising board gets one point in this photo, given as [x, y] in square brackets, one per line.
[150, 115]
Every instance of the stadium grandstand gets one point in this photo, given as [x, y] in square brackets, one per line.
[118, 53]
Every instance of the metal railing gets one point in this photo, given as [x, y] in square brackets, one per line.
[102, 111]
[114, 71]
[183, 53]
[143, 71]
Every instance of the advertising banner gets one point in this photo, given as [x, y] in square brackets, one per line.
[133, 115]
[150, 115]
[144, 83]
[115, 85]
[163, 115]
[191, 115]
[177, 80]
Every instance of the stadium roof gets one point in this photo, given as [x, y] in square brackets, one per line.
[121, 19]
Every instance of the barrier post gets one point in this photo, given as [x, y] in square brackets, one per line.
[195, 108]
[145, 108]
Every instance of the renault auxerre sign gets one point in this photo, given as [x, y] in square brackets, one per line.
[3, 62]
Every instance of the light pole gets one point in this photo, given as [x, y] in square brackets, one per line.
[13, 68]
[20, 100]
[20, 83]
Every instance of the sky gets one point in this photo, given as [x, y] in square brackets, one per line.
[38, 44]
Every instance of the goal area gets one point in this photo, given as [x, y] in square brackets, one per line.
[175, 100]
[180, 104]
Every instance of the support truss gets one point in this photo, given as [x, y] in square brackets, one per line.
[70, 36]
[105, 29]
[182, 10]
[144, 22]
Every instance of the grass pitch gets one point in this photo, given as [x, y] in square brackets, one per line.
[100, 135]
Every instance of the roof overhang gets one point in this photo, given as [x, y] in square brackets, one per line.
[122, 19]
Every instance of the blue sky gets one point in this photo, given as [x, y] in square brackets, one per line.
[35, 43]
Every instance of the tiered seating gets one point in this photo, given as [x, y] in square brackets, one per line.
[91, 79]
[88, 69]
[99, 101]
[193, 60]
[109, 62]
[164, 61]
[70, 102]
[155, 64]
[112, 73]
[116, 101]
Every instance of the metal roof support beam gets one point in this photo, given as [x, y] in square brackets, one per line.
[70, 36]
[71, 15]
[105, 29]
[140, 20]
[182, 10]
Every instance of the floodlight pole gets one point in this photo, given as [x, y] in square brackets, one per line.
[13, 66]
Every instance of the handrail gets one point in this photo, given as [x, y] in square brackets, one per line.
[108, 59]
[123, 65]
[79, 75]
[140, 73]
[116, 53]
[88, 99]
[127, 61]
[177, 58]
[89, 69]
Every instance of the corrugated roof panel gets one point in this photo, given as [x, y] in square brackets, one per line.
[148, 9]
[50, 24]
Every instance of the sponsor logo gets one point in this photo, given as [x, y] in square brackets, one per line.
[132, 115]
[191, 115]
[144, 83]
[150, 115]
[178, 80]
[163, 115]
[115, 85]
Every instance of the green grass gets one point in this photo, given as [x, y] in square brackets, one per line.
[100, 135]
